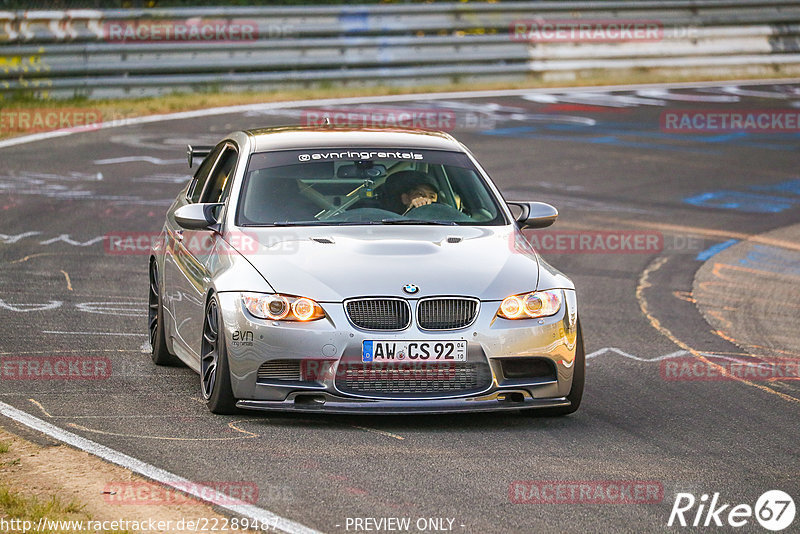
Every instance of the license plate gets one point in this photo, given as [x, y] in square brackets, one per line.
[414, 351]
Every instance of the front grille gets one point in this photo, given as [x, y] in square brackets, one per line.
[280, 370]
[398, 380]
[446, 313]
[379, 314]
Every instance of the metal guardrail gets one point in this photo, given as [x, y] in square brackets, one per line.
[75, 52]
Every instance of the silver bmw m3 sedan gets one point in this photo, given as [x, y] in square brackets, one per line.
[337, 270]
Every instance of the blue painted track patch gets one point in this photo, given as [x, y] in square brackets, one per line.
[715, 249]
[741, 201]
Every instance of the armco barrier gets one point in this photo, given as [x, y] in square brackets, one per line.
[102, 53]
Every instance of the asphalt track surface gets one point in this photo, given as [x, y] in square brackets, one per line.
[602, 159]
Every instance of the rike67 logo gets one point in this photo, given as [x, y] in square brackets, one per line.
[774, 510]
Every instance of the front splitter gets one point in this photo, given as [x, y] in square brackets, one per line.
[327, 403]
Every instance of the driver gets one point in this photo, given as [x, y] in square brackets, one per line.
[419, 195]
[406, 190]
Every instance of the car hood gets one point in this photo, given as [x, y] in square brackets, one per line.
[331, 264]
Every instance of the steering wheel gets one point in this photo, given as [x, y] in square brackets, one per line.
[437, 212]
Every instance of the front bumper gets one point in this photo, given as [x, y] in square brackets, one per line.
[311, 403]
[333, 343]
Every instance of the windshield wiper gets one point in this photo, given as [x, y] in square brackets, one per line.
[417, 221]
[321, 223]
[302, 223]
[354, 223]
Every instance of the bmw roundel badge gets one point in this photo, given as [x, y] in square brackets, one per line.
[411, 288]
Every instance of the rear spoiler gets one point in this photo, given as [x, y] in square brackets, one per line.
[200, 151]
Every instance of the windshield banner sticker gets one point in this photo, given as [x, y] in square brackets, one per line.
[366, 154]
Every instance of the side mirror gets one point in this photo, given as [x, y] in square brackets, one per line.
[197, 216]
[534, 214]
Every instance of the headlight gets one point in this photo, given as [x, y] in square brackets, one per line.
[531, 305]
[282, 307]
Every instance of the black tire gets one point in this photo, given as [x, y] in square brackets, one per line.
[215, 375]
[578, 378]
[159, 352]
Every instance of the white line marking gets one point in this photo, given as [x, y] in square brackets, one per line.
[621, 352]
[203, 493]
[756, 94]
[377, 99]
[24, 308]
[10, 239]
[92, 333]
[594, 99]
[124, 309]
[664, 94]
[676, 354]
[67, 239]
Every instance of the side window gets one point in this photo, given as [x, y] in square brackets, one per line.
[218, 178]
[201, 176]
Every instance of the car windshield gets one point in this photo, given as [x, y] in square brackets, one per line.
[365, 186]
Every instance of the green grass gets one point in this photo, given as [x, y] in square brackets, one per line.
[25, 507]
[14, 505]
[19, 506]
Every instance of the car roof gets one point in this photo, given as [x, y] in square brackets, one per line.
[300, 137]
